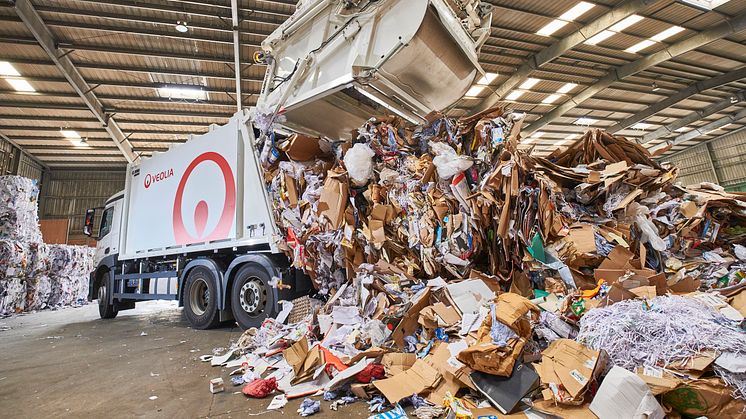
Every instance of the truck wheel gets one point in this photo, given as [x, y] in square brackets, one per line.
[252, 298]
[106, 310]
[200, 299]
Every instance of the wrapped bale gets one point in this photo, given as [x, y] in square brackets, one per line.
[18, 209]
[38, 284]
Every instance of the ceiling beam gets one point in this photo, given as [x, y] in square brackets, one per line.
[111, 111]
[672, 100]
[703, 143]
[26, 117]
[721, 30]
[133, 84]
[236, 50]
[97, 129]
[692, 117]
[703, 130]
[120, 98]
[560, 47]
[44, 36]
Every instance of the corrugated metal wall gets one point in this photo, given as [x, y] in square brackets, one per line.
[8, 157]
[68, 194]
[29, 168]
[726, 167]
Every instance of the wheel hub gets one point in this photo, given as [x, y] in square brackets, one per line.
[199, 297]
[253, 296]
[102, 295]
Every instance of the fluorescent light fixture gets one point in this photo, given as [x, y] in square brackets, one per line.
[68, 133]
[7, 69]
[641, 125]
[626, 23]
[560, 142]
[551, 98]
[567, 88]
[21, 85]
[487, 78]
[514, 95]
[673, 30]
[683, 129]
[552, 27]
[585, 121]
[575, 12]
[182, 92]
[578, 10]
[600, 37]
[181, 27]
[706, 4]
[640, 46]
[474, 91]
[613, 30]
[528, 84]
[572, 137]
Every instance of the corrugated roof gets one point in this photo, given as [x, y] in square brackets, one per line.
[126, 49]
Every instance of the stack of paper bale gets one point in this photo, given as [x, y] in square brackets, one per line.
[69, 274]
[33, 275]
[460, 275]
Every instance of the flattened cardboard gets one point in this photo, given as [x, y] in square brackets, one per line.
[303, 148]
[303, 360]
[570, 364]
[397, 362]
[419, 379]
[582, 237]
[408, 323]
[333, 199]
[469, 295]
[447, 314]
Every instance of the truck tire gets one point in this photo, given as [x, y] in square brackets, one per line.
[252, 298]
[200, 299]
[106, 310]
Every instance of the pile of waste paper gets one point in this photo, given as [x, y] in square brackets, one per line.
[34, 275]
[457, 275]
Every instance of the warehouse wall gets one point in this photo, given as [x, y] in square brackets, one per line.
[721, 161]
[68, 194]
[14, 162]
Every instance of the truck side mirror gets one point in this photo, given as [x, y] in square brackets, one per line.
[88, 225]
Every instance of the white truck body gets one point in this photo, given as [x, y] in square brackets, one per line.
[205, 194]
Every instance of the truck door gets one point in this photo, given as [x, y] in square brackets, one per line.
[105, 242]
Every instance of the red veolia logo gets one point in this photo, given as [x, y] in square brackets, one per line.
[201, 210]
[151, 179]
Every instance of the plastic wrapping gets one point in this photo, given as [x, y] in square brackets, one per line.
[18, 209]
[359, 164]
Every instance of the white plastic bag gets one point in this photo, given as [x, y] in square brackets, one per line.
[359, 164]
[448, 162]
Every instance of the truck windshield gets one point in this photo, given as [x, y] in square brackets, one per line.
[106, 220]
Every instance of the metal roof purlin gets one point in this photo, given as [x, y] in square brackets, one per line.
[44, 36]
[558, 48]
[721, 30]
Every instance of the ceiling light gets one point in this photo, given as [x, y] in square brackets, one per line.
[560, 142]
[640, 46]
[552, 27]
[67, 133]
[673, 30]
[734, 99]
[683, 129]
[626, 23]
[585, 121]
[578, 10]
[599, 37]
[642, 126]
[182, 92]
[487, 78]
[181, 27]
[706, 4]
[474, 91]
[538, 134]
[7, 69]
[654, 87]
[21, 85]
[514, 95]
[528, 84]
[551, 98]
[567, 88]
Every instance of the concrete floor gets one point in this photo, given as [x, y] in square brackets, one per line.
[69, 363]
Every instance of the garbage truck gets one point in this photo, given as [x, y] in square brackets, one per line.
[195, 224]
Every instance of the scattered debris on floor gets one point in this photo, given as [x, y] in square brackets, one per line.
[34, 275]
[458, 275]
